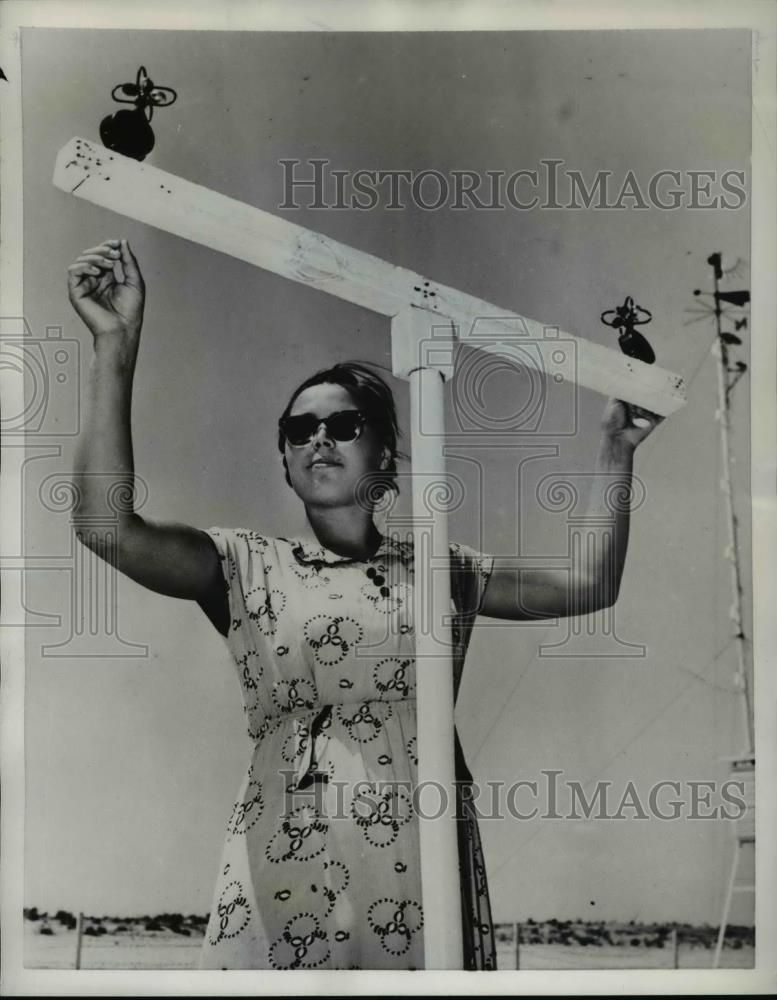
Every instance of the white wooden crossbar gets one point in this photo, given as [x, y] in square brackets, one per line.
[175, 205]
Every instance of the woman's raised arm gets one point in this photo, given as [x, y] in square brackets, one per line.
[599, 542]
[107, 291]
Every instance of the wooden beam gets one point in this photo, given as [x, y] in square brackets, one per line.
[438, 840]
[438, 832]
[175, 205]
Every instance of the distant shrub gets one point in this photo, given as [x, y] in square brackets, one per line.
[45, 930]
[153, 925]
[90, 931]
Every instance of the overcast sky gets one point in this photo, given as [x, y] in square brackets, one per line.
[133, 761]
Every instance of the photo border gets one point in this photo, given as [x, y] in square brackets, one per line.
[761, 19]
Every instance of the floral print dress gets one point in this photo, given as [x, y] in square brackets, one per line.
[321, 867]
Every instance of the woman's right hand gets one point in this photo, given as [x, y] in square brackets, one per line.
[111, 306]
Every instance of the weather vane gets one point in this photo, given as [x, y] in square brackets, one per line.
[718, 306]
[128, 132]
[624, 318]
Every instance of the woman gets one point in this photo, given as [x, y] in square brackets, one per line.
[321, 864]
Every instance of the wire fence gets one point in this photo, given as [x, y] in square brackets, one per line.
[581, 945]
[553, 945]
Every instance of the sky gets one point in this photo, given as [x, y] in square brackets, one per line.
[135, 745]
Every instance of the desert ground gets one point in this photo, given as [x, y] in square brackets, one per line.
[158, 943]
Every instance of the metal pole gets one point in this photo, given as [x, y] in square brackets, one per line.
[434, 677]
[720, 349]
[79, 938]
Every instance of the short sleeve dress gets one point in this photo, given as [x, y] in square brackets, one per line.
[320, 867]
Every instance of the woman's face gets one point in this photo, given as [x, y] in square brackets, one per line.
[325, 472]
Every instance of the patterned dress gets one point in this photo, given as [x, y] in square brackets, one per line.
[320, 868]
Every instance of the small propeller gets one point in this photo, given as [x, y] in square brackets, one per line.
[128, 131]
[624, 318]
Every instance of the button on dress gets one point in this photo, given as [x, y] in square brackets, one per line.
[321, 867]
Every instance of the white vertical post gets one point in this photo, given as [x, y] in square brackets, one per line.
[726, 908]
[425, 361]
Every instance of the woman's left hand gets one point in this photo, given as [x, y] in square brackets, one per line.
[626, 423]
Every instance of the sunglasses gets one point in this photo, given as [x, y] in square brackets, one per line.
[342, 426]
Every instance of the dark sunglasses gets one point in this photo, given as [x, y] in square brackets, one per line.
[342, 426]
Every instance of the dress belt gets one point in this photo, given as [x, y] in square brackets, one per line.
[307, 768]
[306, 771]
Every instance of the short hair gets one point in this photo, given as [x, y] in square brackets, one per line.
[374, 398]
